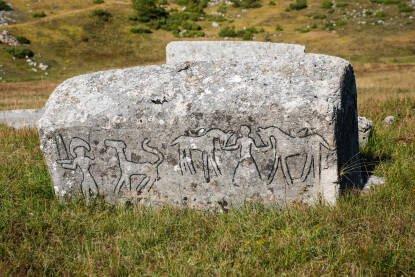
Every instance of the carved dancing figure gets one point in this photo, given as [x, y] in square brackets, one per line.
[204, 142]
[244, 144]
[308, 144]
[78, 148]
[129, 168]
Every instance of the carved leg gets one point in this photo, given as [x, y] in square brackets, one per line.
[274, 169]
[188, 161]
[215, 164]
[143, 183]
[309, 165]
[120, 183]
[285, 171]
[85, 191]
[205, 158]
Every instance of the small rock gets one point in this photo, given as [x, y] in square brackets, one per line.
[372, 182]
[9, 39]
[365, 129]
[389, 120]
[215, 24]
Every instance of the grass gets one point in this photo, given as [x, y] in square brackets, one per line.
[363, 235]
[25, 95]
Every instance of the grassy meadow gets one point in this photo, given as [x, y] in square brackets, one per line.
[364, 234]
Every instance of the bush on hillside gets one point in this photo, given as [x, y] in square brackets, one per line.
[298, 5]
[341, 4]
[140, 30]
[19, 53]
[195, 6]
[4, 6]
[319, 16]
[228, 32]
[98, 1]
[246, 4]
[149, 10]
[103, 14]
[245, 34]
[405, 8]
[39, 14]
[23, 40]
[326, 4]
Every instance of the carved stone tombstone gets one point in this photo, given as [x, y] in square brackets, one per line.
[206, 134]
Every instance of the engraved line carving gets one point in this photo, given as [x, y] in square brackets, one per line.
[204, 142]
[130, 168]
[244, 143]
[78, 148]
[308, 144]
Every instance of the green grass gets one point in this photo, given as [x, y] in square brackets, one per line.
[368, 235]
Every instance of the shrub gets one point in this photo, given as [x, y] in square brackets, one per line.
[326, 4]
[319, 16]
[19, 53]
[98, 1]
[341, 23]
[217, 18]
[140, 30]
[271, 3]
[279, 28]
[228, 32]
[330, 26]
[303, 30]
[386, 2]
[22, 40]
[196, 6]
[149, 10]
[192, 34]
[341, 4]
[246, 4]
[39, 14]
[298, 5]
[381, 14]
[222, 8]
[405, 8]
[104, 15]
[4, 6]
[245, 34]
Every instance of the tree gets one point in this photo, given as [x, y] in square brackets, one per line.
[148, 10]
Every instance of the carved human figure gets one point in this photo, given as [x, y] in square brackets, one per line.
[307, 142]
[78, 148]
[245, 144]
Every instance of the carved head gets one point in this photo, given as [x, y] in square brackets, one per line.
[78, 147]
[245, 130]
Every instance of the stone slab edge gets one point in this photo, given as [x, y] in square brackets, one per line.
[232, 51]
[21, 118]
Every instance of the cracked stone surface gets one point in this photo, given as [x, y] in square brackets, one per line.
[207, 135]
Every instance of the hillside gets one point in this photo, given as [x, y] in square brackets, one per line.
[74, 37]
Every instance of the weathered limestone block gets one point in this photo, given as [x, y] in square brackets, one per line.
[204, 134]
[230, 51]
[20, 118]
